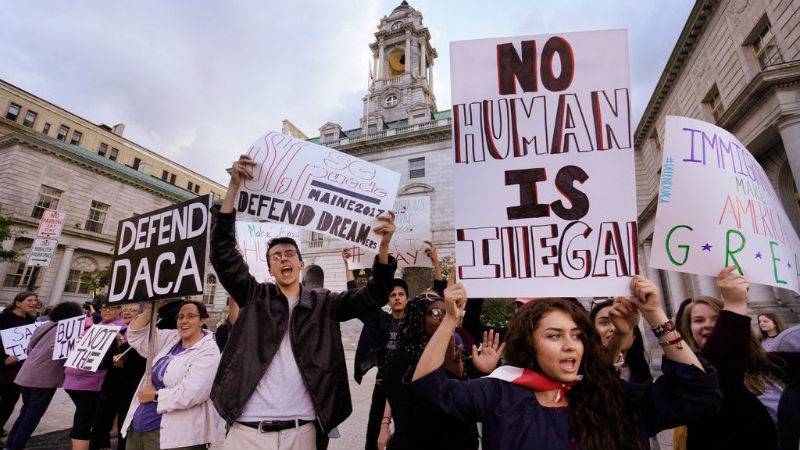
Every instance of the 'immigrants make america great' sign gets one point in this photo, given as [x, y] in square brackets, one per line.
[545, 201]
[316, 188]
[717, 207]
[161, 254]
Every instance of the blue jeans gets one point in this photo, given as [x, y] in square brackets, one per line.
[34, 404]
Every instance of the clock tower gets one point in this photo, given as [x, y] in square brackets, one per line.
[402, 69]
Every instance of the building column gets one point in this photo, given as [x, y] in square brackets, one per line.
[57, 290]
[703, 285]
[430, 77]
[677, 291]
[408, 52]
[8, 244]
[379, 73]
[423, 54]
[789, 128]
[651, 273]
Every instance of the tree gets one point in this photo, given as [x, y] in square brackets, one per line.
[97, 279]
[6, 232]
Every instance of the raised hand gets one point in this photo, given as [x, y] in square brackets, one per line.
[733, 288]
[646, 294]
[431, 251]
[625, 315]
[346, 256]
[386, 227]
[491, 351]
[242, 170]
[455, 300]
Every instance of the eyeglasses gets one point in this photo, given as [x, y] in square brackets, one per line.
[277, 256]
[188, 316]
[436, 313]
[108, 308]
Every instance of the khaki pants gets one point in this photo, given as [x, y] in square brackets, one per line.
[150, 440]
[241, 437]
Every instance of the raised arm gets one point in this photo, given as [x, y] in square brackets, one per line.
[348, 274]
[455, 298]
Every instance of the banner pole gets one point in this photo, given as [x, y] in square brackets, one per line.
[151, 343]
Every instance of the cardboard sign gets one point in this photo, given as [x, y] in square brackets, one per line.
[545, 194]
[253, 238]
[15, 340]
[413, 228]
[717, 207]
[162, 253]
[51, 223]
[67, 333]
[317, 188]
[42, 252]
[91, 348]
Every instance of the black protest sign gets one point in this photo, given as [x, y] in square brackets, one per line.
[161, 254]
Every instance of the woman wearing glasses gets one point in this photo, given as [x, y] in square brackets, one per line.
[172, 408]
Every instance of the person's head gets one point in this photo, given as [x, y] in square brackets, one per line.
[519, 302]
[412, 331]
[130, 311]
[398, 298]
[698, 320]
[284, 260]
[433, 316]
[770, 324]
[109, 311]
[65, 310]
[601, 320]
[192, 315]
[25, 302]
[555, 337]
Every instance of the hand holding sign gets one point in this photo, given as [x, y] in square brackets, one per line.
[733, 288]
[242, 170]
[11, 360]
[385, 229]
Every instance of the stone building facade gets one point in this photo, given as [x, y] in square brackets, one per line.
[736, 64]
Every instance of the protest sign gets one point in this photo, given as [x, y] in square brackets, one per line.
[161, 254]
[413, 228]
[545, 200]
[67, 333]
[91, 347]
[253, 237]
[717, 207]
[316, 188]
[15, 340]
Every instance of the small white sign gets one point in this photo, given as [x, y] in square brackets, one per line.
[67, 333]
[15, 340]
[91, 347]
[51, 224]
[253, 238]
[42, 252]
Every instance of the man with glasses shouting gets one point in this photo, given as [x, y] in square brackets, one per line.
[282, 379]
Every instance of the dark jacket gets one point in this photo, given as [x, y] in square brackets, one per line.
[513, 418]
[263, 319]
[743, 421]
[372, 342]
[10, 320]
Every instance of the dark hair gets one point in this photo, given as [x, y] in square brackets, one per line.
[399, 282]
[19, 298]
[201, 308]
[636, 358]
[600, 414]
[681, 309]
[66, 310]
[283, 240]
[776, 319]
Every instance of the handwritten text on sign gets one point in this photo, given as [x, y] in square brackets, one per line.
[317, 188]
[717, 207]
[545, 200]
[67, 333]
[15, 340]
[253, 238]
[91, 348]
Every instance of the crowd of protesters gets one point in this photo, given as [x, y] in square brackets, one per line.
[274, 376]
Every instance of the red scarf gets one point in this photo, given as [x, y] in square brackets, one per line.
[533, 380]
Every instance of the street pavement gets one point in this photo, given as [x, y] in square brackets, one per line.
[53, 430]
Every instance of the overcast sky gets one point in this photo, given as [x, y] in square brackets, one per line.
[197, 81]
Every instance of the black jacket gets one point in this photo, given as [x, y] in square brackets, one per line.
[372, 342]
[263, 319]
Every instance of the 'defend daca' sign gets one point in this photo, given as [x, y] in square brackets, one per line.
[717, 207]
[161, 254]
[545, 200]
[316, 188]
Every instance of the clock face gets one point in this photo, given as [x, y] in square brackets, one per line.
[397, 25]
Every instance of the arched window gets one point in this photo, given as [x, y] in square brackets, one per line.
[314, 277]
[211, 289]
[80, 267]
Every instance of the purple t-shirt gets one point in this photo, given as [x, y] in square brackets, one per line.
[146, 418]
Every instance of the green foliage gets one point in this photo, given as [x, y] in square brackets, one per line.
[497, 312]
[447, 265]
[97, 279]
[6, 232]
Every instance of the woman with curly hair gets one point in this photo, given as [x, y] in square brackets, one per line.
[560, 389]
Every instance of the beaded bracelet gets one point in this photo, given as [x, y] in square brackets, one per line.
[677, 340]
[664, 328]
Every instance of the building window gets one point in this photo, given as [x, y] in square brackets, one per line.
[13, 112]
[75, 282]
[211, 289]
[113, 155]
[196, 188]
[766, 49]
[62, 132]
[390, 101]
[19, 275]
[416, 167]
[102, 150]
[316, 239]
[164, 175]
[76, 137]
[49, 198]
[714, 102]
[190, 186]
[136, 163]
[30, 118]
[97, 217]
[46, 128]
[172, 179]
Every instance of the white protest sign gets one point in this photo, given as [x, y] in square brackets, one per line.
[413, 228]
[316, 188]
[253, 237]
[91, 348]
[15, 340]
[717, 207]
[67, 333]
[545, 199]
[51, 223]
